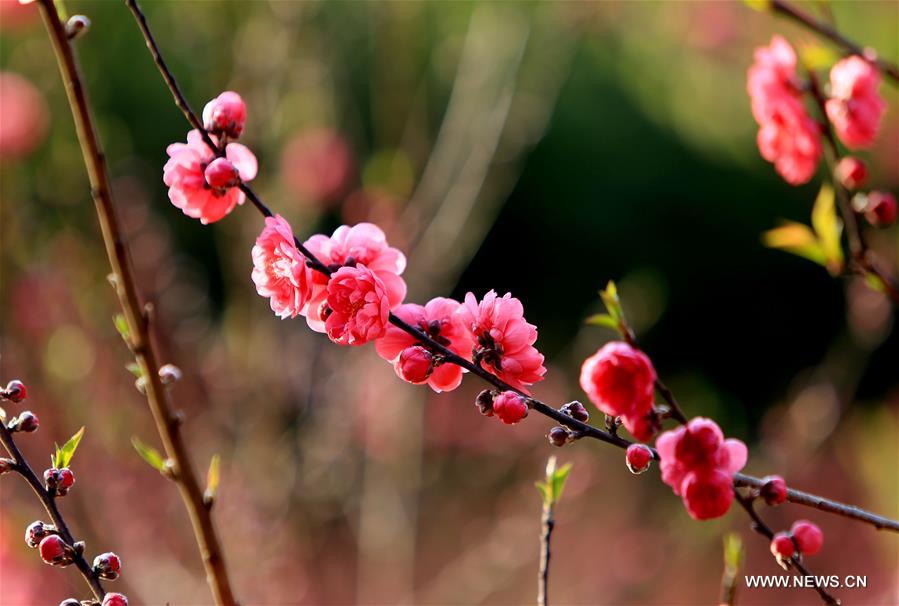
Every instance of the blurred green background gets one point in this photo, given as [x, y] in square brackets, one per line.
[539, 148]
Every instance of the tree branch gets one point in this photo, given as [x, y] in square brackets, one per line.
[763, 529]
[583, 430]
[826, 30]
[167, 422]
[49, 502]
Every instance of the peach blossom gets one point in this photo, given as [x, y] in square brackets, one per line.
[279, 270]
[855, 107]
[358, 307]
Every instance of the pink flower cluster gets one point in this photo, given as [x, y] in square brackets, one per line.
[699, 465]
[788, 136]
[620, 381]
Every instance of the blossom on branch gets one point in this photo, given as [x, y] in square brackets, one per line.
[357, 306]
[439, 319]
[364, 244]
[855, 107]
[699, 464]
[225, 115]
[279, 270]
[788, 137]
[620, 380]
[185, 173]
[503, 340]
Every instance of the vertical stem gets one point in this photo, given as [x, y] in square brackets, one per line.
[168, 423]
[547, 525]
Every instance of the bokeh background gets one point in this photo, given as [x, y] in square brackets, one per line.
[539, 148]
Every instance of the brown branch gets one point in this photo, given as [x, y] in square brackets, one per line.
[582, 430]
[826, 30]
[168, 423]
[863, 259]
[49, 502]
[763, 529]
[547, 524]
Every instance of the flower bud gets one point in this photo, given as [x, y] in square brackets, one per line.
[414, 364]
[484, 402]
[638, 458]
[107, 565]
[225, 115]
[558, 436]
[169, 374]
[114, 599]
[782, 546]
[25, 422]
[774, 490]
[70, 602]
[576, 411]
[851, 172]
[15, 391]
[880, 210]
[36, 531]
[6, 465]
[221, 174]
[76, 26]
[510, 407]
[808, 537]
[55, 551]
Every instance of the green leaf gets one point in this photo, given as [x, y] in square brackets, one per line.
[64, 455]
[610, 298]
[733, 552]
[212, 478]
[134, 368]
[816, 57]
[603, 320]
[149, 454]
[875, 282]
[121, 325]
[543, 489]
[829, 228]
[559, 477]
[795, 238]
[758, 5]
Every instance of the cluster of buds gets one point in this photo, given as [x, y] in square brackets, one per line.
[803, 538]
[507, 406]
[59, 481]
[561, 435]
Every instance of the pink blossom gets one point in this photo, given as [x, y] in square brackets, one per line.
[23, 116]
[415, 364]
[440, 320]
[279, 270]
[620, 380]
[358, 306]
[855, 107]
[503, 340]
[363, 243]
[225, 115]
[698, 464]
[184, 173]
[788, 136]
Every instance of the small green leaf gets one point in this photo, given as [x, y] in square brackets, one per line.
[733, 552]
[64, 455]
[543, 489]
[134, 368]
[795, 238]
[559, 477]
[212, 479]
[874, 282]
[121, 325]
[610, 298]
[758, 5]
[603, 320]
[829, 229]
[149, 454]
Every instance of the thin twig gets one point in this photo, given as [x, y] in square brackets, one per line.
[582, 429]
[547, 524]
[763, 529]
[168, 423]
[49, 502]
[825, 29]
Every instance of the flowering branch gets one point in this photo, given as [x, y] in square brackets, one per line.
[864, 259]
[137, 316]
[19, 465]
[796, 560]
[579, 429]
[828, 31]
